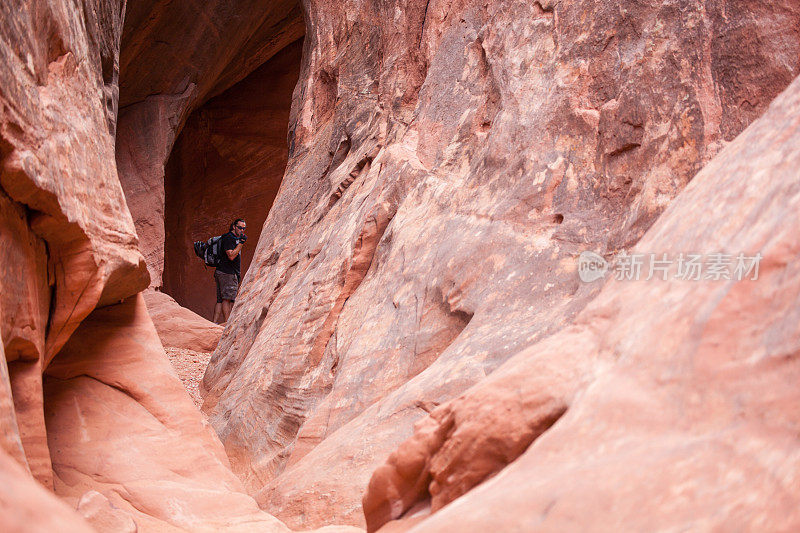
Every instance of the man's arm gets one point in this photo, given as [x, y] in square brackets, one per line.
[233, 253]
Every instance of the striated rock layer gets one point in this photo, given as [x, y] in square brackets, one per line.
[673, 400]
[448, 163]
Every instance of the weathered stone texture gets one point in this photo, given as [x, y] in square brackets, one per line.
[411, 340]
[67, 241]
[448, 163]
[673, 398]
[57, 155]
[111, 416]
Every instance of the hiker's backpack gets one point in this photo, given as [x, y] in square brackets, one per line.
[208, 251]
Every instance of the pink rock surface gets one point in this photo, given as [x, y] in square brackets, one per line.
[24, 301]
[119, 422]
[179, 327]
[103, 515]
[686, 422]
[448, 164]
[113, 416]
[67, 241]
[26, 506]
[57, 118]
[10, 440]
[412, 313]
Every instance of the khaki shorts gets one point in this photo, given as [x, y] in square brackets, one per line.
[227, 285]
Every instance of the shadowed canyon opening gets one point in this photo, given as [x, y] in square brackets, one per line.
[202, 129]
[227, 163]
[416, 343]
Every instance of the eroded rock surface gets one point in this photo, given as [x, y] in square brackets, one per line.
[448, 163]
[67, 242]
[681, 423]
[57, 147]
[27, 506]
[112, 416]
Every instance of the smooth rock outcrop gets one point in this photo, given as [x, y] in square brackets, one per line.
[67, 241]
[103, 515]
[684, 422]
[448, 164]
[412, 313]
[119, 422]
[178, 327]
[26, 506]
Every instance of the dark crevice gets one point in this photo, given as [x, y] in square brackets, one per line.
[543, 9]
[627, 147]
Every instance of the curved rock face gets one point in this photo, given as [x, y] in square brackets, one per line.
[448, 164]
[59, 183]
[680, 423]
[178, 327]
[412, 329]
[26, 506]
[67, 243]
[228, 163]
[120, 423]
[111, 430]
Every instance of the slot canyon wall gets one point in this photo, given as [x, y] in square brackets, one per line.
[448, 163]
[412, 345]
[96, 430]
[174, 58]
[674, 398]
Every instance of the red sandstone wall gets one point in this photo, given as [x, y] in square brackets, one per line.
[448, 162]
[451, 161]
[90, 409]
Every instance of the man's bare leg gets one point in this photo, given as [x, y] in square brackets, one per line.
[217, 312]
[226, 308]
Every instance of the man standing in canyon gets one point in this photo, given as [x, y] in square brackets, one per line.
[228, 272]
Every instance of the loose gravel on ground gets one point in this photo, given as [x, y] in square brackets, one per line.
[190, 366]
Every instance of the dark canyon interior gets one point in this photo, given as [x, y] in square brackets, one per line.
[227, 162]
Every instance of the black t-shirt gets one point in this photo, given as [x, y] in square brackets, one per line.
[229, 242]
